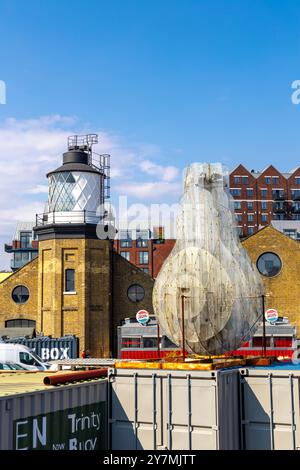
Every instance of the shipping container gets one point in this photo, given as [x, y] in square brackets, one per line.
[51, 349]
[39, 417]
[270, 416]
[174, 409]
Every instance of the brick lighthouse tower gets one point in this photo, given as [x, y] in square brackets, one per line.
[74, 281]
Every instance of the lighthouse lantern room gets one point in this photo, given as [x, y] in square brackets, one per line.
[79, 187]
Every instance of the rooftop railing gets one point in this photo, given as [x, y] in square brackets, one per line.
[67, 217]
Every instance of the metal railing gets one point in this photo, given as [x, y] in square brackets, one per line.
[67, 217]
[279, 196]
[280, 208]
[295, 209]
[8, 248]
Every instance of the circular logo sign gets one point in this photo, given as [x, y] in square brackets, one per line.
[142, 317]
[271, 315]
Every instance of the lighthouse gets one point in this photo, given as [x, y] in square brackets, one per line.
[77, 189]
[74, 281]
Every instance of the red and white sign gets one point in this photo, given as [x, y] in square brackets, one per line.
[142, 317]
[271, 315]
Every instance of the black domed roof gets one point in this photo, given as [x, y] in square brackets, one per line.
[75, 160]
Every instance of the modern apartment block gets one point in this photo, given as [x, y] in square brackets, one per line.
[24, 246]
[260, 197]
[290, 228]
[144, 248]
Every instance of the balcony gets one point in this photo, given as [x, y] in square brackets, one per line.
[295, 196]
[19, 249]
[279, 208]
[22, 257]
[295, 209]
[17, 264]
[278, 196]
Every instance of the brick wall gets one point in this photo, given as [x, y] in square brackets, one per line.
[86, 312]
[157, 254]
[160, 253]
[124, 275]
[283, 290]
[9, 310]
[272, 208]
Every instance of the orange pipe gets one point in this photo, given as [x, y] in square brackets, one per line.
[75, 376]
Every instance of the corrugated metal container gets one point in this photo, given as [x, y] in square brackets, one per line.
[9, 333]
[270, 417]
[161, 409]
[51, 349]
[38, 417]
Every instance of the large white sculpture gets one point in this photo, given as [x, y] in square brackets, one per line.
[208, 270]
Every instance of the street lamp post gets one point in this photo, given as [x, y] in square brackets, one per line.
[264, 327]
[182, 327]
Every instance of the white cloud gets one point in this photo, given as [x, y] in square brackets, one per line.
[41, 122]
[25, 212]
[39, 189]
[150, 190]
[149, 150]
[167, 173]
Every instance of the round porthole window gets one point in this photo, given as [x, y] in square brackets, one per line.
[136, 293]
[269, 264]
[20, 294]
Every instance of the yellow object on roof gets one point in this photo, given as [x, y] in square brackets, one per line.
[202, 364]
[137, 365]
[4, 276]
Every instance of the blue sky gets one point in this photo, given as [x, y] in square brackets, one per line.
[164, 82]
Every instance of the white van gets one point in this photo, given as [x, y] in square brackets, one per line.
[19, 354]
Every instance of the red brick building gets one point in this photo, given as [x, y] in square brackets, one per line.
[260, 197]
[142, 250]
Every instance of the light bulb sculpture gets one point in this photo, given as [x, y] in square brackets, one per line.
[208, 270]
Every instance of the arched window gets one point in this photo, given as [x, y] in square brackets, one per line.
[20, 323]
